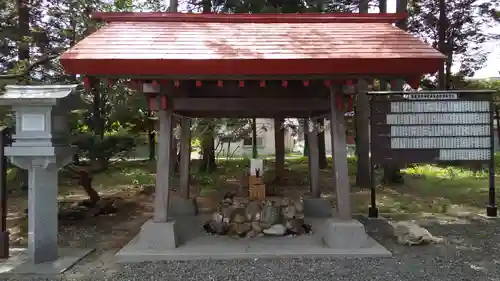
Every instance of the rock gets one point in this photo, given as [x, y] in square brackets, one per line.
[238, 216]
[299, 205]
[289, 212]
[217, 217]
[275, 230]
[240, 229]
[408, 233]
[259, 226]
[226, 211]
[270, 214]
[295, 226]
[253, 210]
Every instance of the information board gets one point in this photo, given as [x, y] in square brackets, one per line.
[428, 127]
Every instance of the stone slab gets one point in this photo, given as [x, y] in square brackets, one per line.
[19, 263]
[318, 207]
[158, 235]
[345, 234]
[484, 216]
[201, 246]
[183, 207]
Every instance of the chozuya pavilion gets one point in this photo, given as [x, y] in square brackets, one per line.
[242, 65]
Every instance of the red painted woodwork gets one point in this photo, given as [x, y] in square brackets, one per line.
[152, 103]
[208, 45]
[349, 103]
[340, 103]
[249, 18]
[86, 83]
[414, 82]
[163, 102]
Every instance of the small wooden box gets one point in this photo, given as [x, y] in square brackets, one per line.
[257, 191]
[253, 180]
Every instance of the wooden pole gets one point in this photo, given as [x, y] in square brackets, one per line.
[339, 158]
[185, 153]
[165, 118]
[312, 135]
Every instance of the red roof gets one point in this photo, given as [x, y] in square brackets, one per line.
[183, 45]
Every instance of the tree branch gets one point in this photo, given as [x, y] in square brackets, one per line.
[43, 60]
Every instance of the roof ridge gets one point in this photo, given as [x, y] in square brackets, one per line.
[249, 18]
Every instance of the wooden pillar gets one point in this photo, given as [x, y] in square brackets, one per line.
[163, 170]
[185, 153]
[312, 135]
[362, 134]
[279, 147]
[339, 157]
[362, 125]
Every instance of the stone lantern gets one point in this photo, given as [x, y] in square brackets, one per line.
[41, 146]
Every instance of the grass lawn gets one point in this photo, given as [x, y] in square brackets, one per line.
[428, 190]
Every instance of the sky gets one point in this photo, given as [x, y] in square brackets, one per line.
[492, 67]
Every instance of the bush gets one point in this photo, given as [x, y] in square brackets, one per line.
[94, 148]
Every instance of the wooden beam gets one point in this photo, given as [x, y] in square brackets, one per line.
[249, 88]
[249, 114]
[250, 104]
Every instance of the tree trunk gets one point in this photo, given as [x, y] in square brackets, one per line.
[323, 163]
[23, 11]
[442, 42]
[208, 163]
[255, 154]
[151, 138]
[279, 147]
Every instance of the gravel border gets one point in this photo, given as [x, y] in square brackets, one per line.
[470, 253]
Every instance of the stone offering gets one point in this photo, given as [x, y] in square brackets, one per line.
[240, 217]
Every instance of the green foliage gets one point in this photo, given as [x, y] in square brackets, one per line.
[94, 148]
[466, 24]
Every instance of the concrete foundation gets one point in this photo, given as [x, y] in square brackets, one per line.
[198, 245]
[158, 235]
[342, 234]
[318, 208]
[182, 207]
[19, 262]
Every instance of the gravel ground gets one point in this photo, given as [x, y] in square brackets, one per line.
[471, 253]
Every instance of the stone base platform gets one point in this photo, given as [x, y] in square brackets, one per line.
[18, 262]
[195, 244]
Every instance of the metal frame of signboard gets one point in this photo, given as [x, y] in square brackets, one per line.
[381, 156]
